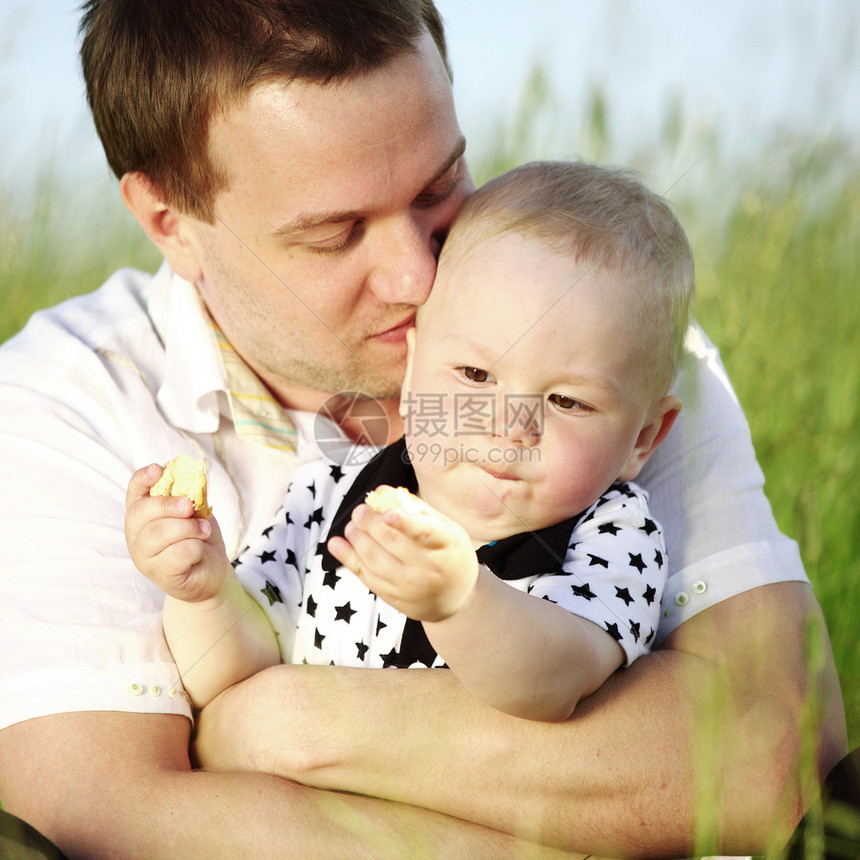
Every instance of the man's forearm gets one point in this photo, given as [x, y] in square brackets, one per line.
[113, 784]
[695, 748]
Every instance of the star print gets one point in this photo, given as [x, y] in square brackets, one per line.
[318, 639]
[623, 594]
[634, 629]
[636, 561]
[649, 527]
[273, 594]
[608, 529]
[266, 555]
[650, 637]
[291, 559]
[596, 560]
[315, 517]
[612, 630]
[583, 591]
[267, 532]
[344, 613]
[313, 488]
[380, 625]
[658, 558]
[331, 579]
[336, 472]
[288, 519]
[389, 658]
[574, 545]
[311, 606]
[649, 594]
[361, 650]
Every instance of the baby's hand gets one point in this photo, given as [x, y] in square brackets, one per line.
[420, 562]
[179, 552]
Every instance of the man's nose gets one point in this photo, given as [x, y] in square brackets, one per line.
[405, 260]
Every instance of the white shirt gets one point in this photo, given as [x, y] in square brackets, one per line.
[90, 391]
[106, 383]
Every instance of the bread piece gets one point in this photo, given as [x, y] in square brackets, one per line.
[383, 498]
[184, 476]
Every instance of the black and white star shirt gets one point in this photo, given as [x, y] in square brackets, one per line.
[607, 564]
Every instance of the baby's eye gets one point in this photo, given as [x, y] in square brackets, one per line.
[565, 402]
[475, 374]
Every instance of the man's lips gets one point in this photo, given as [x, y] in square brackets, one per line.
[396, 332]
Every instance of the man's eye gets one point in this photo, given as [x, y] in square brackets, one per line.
[440, 190]
[475, 374]
[565, 402]
[335, 243]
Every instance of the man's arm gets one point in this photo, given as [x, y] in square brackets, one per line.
[712, 744]
[110, 784]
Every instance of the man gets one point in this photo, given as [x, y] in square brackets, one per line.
[298, 165]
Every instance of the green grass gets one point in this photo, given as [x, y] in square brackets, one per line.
[779, 294]
[776, 239]
[59, 239]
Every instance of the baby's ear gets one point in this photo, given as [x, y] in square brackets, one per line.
[653, 432]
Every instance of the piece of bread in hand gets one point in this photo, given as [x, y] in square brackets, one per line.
[384, 498]
[184, 476]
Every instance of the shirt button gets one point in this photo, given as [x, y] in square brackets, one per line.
[155, 690]
[682, 598]
[700, 587]
[135, 689]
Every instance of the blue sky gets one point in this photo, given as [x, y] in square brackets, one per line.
[748, 67]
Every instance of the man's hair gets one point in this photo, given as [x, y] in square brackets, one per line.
[157, 71]
[603, 217]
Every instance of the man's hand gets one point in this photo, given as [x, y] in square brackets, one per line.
[179, 552]
[423, 564]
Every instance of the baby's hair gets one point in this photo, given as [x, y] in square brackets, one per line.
[604, 217]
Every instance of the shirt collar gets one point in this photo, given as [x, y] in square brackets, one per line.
[531, 553]
[193, 374]
[200, 363]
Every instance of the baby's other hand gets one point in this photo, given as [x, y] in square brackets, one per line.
[421, 562]
[179, 552]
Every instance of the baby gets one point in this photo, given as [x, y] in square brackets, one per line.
[527, 562]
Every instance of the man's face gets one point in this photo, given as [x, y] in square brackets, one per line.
[327, 233]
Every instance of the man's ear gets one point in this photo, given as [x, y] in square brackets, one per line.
[164, 226]
[651, 435]
[407, 379]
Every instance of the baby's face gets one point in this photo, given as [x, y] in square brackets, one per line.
[525, 393]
